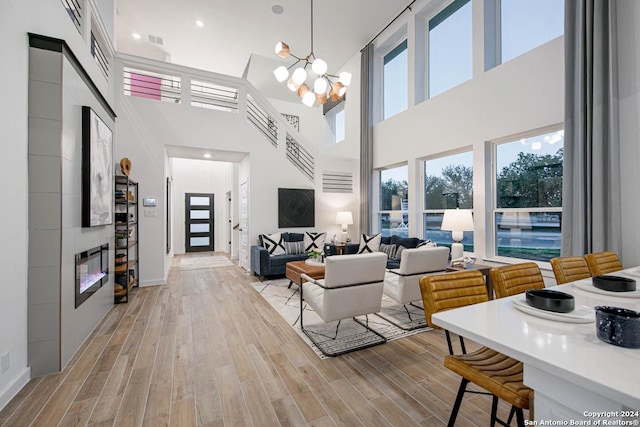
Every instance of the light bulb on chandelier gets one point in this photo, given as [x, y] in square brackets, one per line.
[325, 85]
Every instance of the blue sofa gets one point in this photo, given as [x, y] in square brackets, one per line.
[264, 264]
[352, 248]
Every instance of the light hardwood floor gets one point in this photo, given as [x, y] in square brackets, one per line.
[207, 350]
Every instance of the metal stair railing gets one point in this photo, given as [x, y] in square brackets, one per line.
[157, 80]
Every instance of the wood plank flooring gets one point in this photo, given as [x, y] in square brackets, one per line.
[207, 350]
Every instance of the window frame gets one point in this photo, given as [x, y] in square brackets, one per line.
[379, 212]
[441, 16]
[423, 176]
[396, 49]
[493, 21]
[330, 116]
[493, 210]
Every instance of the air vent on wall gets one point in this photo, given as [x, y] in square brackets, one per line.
[156, 39]
[337, 182]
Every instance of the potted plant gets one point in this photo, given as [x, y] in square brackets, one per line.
[121, 237]
[315, 255]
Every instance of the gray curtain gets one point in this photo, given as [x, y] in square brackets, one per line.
[591, 220]
[366, 136]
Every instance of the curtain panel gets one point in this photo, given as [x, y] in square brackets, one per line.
[366, 136]
[591, 220]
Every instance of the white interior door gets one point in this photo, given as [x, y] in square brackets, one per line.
[244, 226]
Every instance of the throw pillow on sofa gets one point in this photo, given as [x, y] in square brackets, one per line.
[427, 244]
[369, 244]
[294, 248]
[313, 241]
[390, 250]
[273, 243]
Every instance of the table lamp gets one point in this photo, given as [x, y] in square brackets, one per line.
[344, 218]
[457, 221]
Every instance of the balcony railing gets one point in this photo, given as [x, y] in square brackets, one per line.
[160, 81]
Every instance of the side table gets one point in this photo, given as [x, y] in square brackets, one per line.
[484, 269]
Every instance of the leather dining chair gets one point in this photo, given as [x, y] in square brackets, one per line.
[500, 375]
[516, 279]
[569, 269]
[603, 263]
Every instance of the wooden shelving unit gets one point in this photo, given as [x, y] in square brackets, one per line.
[126, 232]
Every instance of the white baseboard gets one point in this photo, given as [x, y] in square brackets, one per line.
[13, 389]
[146, 283]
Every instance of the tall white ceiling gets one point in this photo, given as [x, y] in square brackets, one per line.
[235, 29]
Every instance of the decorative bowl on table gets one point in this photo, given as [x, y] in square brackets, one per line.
[550, 300]
[618, 326]
[614, 283]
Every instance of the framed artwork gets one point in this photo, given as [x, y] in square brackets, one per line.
[296, 208]
[97, 170]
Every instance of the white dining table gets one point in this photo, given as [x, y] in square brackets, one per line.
[574, 374]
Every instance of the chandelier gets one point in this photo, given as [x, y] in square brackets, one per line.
[325, 86]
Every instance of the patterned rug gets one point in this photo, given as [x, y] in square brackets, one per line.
[196, 263]
[286, 301]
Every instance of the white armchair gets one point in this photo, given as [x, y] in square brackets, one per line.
[403, 284]
[352, 286]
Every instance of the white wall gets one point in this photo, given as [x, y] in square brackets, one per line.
[18, 18]
[520, 95]
[153, 124]
[200, 176]
[77, 323]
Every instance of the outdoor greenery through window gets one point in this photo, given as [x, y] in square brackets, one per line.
[526, 24]
[450, 47]
[393, 216]
[448, 184]
[395, 84]
[528, 185]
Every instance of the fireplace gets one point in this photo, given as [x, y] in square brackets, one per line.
[92, 271]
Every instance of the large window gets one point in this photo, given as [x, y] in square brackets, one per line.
[526, 24]
[450, 47]
[448, 184]
[336, 122]
[528, 204]
[393, 215]
[395, 81]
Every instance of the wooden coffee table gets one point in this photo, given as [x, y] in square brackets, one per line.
[295, 269]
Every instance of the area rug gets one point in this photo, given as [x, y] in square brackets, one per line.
[196, 263]
[286, 301]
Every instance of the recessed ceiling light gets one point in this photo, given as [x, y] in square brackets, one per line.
[206, 155]
[277, 9]
[200, 24]
[135, 36]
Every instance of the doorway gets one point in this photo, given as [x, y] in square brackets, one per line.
[199, 223]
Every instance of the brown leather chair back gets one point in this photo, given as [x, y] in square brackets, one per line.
[603, 263]
[446, 291]
[515, 279]
[569, 269]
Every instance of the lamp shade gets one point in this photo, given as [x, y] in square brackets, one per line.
[457, 220]
[344, 217]
[281, 73]
[309, 98]
[319, 66]
[282, 49]
[345, 78]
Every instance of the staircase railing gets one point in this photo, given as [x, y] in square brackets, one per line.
[161, 81]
